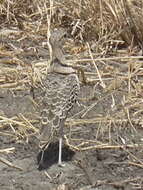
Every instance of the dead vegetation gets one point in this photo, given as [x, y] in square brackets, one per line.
[107, 45]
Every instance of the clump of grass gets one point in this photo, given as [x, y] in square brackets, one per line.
[102, 23]
[107, 21]
[104, 20]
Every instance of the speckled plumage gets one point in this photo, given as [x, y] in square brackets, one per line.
[60, 92]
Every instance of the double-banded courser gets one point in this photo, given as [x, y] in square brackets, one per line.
[61, 89]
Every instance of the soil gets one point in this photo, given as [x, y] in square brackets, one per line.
[118, 166]
[91, 169]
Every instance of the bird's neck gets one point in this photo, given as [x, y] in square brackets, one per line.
[59, 67]
[58, 64]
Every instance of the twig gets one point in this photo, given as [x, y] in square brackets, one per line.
[135, 164]
[102, 83]
[73, 122]
[107, 59]
[7, 150]
[10, 164]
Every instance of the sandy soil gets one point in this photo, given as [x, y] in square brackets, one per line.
[118, 166]
[92, 169]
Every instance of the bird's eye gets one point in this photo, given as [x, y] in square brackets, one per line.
[65, 35]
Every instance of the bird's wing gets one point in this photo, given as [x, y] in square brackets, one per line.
[60, 95]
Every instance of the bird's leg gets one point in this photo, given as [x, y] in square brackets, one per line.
[60, 145]
[42, 147]
[60, 152]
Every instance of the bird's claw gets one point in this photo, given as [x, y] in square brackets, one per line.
[61, 165]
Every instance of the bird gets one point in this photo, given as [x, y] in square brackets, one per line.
[60, 93]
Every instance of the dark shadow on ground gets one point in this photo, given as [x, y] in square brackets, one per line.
[50, 155]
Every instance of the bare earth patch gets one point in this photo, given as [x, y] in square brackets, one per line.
[104, 133]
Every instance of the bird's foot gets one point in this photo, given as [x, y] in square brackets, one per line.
[60, 164]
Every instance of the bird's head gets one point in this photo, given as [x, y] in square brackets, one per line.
[59, 62]
[57, 36]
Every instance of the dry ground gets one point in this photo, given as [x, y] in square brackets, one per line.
[111, 156]
[104, 133]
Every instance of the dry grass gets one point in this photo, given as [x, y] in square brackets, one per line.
[109, 32]
[104, 20]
